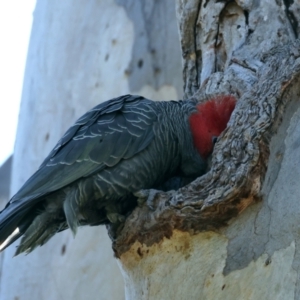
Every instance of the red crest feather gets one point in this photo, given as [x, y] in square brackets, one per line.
[209, 121]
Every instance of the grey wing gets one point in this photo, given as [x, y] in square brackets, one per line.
[110, 132]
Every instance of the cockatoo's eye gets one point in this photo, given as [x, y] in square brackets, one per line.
[214, 139]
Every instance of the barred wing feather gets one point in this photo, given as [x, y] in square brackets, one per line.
[115, 130]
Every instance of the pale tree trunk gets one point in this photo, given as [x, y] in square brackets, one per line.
[234, 232]
[82, 53]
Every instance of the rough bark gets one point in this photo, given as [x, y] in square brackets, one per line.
[82, 53]
[249, 49]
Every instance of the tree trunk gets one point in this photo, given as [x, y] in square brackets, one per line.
[82, 53]
[234, 232]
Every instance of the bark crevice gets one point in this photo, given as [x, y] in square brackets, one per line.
[291, 17]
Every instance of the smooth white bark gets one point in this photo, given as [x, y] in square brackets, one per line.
[191, 267]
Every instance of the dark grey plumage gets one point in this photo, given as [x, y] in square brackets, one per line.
[114, 150]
